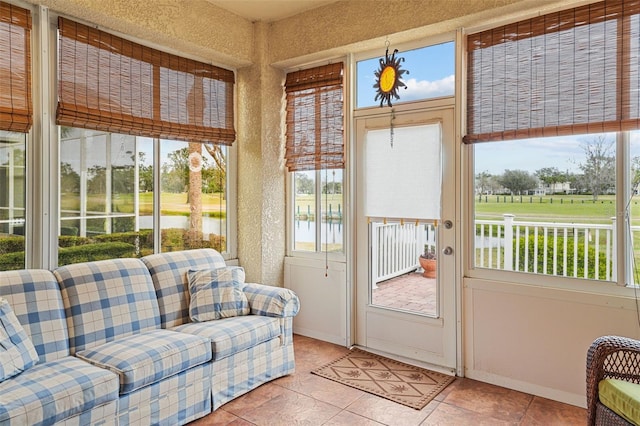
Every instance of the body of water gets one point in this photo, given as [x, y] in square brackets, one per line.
[305, 231]
[209, 225]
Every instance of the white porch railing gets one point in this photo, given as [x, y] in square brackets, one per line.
[578, 250]
[396, 248]
[553, 248]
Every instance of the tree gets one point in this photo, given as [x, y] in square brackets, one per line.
[518, 181]
[69, 179]
[304, 184]
[599, 166]
[551, 176]
[145, 174]
[483, 182]
[332, 188]
[635, 174]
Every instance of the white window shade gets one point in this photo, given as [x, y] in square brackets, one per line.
[403, 181]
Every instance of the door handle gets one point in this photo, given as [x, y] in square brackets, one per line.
[447, 250]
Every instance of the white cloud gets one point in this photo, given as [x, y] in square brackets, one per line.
[425, 89]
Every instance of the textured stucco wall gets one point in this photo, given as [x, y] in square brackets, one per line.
[194, 27]
[358, 25]
[261, 185]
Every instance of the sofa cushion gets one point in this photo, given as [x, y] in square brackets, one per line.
[146, 358]
[232, 335]
[169, 275]
[54, 391]
[34, 296]
[622, 397]
[107, 300]
[217, 293]
[16, 350]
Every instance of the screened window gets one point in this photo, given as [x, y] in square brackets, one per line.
[12, 200]
[557, 97]
[315, 157]
[131, 116]
[318, 191]
[15, 122]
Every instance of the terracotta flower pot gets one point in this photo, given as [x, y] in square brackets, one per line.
[429, 266]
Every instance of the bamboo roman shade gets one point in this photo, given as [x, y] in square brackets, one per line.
[111, 84]
[15, 69]
[315, 119]
[570, 72]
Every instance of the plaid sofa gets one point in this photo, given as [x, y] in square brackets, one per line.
[116, 345]
[247, 351]
[60, 388]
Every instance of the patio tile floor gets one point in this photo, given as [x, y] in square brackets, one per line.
[410, 291]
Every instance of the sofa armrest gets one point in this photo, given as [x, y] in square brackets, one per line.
[612, 357]
[271, 301]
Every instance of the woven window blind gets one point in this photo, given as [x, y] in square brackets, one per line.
[16, 111]
[315, 119]
[111, 84]
[572, 72]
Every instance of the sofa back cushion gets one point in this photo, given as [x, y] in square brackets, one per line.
[106, 300]
[34, 297]
[169, 275]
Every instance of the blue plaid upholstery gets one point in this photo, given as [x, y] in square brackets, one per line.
[238, 374]
[271, 301]
[55, 391]
[217, 293]
[107, 300]
[142, 359]
[229, 336]
[169, 274]
[35, 298]
[103, 415]
[16, 350]
[176, 400]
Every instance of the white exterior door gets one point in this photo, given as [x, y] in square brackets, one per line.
[405, 206]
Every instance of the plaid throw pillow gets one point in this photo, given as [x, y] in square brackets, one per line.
[17, 353]
[217, 293]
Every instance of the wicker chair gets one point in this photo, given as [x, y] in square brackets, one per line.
[612, 357]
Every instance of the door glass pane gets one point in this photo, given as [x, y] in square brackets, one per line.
[402, 199]
[12, 200]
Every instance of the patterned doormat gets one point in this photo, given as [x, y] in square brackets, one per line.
[394, 380]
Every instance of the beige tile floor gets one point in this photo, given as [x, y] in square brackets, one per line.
[306, 399]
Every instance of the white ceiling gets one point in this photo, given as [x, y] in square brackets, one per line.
[268, 10]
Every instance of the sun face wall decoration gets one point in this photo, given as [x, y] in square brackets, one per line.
[388, 78]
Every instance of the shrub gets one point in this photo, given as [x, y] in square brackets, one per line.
[12, 244]
[95, 251]
[72, 241]
[12, 261]
[559, 256]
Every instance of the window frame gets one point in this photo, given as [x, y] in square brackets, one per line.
[290, 181]
[619, 286]
[42, 159]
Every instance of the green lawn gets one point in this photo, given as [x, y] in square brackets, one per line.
[566, 208]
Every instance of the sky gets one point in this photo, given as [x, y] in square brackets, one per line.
[431, 74]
